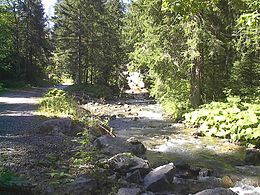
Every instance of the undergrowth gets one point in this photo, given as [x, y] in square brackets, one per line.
[57, 102]
[9, 179]
[234, 119]
[96, 91]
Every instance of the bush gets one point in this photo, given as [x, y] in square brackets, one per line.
[10, 179]
[96, 91]
[233, 119]
[15, 84]
[58, 102]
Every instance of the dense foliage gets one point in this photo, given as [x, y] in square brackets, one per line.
[88, 41]
[193, 50]
[190, 52]
[24, 46]
[93, 91]
[234, 119]
[58, 102]
[9, 179]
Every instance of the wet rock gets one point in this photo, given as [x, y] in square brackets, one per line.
[120, 116]
[134, 177]
[217, 191]
[147, 193]
[133, 140]
[125, 163]
[82, 185]
[191, 186]
[115, 145]
[113, 117]
[205, 172]
[137, 147]
[252, 157]
[160, 178]
[58, 126]
[129, 191]
[135, 118]
[195, 171]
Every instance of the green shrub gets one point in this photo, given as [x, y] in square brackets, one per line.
[10, 179]
[233, 119]
[15, 84]
[97, 91]
[58, 102]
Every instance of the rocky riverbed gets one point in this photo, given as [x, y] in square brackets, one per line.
[167, 142]
[149, 155]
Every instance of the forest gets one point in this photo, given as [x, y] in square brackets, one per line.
[200, 59]
[190, 52]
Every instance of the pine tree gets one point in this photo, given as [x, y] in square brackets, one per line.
[86, 33]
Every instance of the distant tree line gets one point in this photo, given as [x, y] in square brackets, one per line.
[85, 41]
[88, 41]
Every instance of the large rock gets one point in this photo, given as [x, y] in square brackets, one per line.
[160, 179]
[137, 146]
[58, 126]
[129, 191]
[217, 191]
[252, 157]
[115, 145]
[191, 186]
[134, 177]
[126, 162]
[81, 186]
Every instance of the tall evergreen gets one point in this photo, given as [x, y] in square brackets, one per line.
[87, 36]
[30, 39]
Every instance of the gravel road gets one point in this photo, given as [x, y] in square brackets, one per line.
[17, 110]
[24, 152]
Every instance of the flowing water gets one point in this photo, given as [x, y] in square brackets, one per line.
[173, 142]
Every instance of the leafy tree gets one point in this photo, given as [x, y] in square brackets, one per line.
[25, 25]
[246, 70]
[6, 40]
[189, 50]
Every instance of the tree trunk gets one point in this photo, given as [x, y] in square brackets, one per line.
[195, 86]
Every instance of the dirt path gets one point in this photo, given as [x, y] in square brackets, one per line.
[31, 156]
[17, 110]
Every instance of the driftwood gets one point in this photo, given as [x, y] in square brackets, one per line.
[108, 130]
[104, 128]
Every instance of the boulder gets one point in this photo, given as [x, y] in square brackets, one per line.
[137, 146]
[217, 191]
[115, 145]
[252, 157]
[126, 162]
[134, 177]
[129, 191]
[191, 186]
[160, 178]
[58, 126]
[82, 185]
[204, 172]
